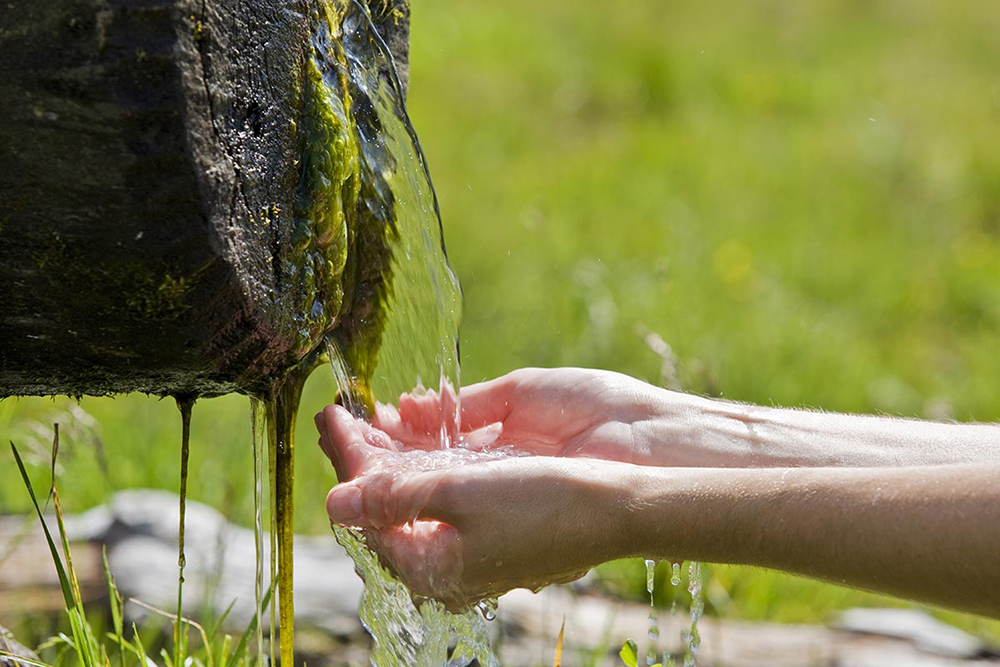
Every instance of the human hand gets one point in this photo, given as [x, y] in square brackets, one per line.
[566, 412]
[459, 525]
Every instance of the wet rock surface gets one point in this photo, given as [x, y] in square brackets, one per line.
[148, 174]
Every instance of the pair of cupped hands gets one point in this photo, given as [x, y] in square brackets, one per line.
[543, 513]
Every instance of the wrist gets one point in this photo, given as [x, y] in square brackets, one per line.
[609, 493]
[685, 514]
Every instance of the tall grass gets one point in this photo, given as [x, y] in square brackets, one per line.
[94, 649]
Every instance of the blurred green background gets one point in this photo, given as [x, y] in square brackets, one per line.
[801, 199]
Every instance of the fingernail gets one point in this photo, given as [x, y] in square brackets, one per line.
[343, 504]
[492, 433]
[320, 423]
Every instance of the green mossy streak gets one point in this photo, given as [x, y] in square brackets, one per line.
[323, 218]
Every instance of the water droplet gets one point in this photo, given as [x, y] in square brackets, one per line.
[675, 574]
[488, 608]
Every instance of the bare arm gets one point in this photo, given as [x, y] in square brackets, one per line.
[711, 432]
[925, 533]
[605, 415]
[460, 533]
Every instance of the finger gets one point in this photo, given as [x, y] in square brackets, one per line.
[324, 440]
[345, 441]
[481, 405]
[487, 402]
[380, 500]
[422, 413]
[388, 420]
[483, 438]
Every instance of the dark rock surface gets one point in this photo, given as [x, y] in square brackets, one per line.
[148, 169]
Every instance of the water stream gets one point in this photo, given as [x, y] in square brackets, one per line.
[653, 621]
[257, 426]
[697, 607]
[398, 326]
[185, 406]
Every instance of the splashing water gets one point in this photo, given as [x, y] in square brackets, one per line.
[409, 633]
[405, 632]
[413, 347]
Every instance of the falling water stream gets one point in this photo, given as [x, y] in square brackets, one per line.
[697, 607]
[653, 630]
[185, 406]
[401, 335]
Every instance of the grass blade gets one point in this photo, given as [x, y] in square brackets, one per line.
[115, 601]
[214, 630]
[557, 660]
[22, 660]
[73, 608]
[241, 648]
[60, 571]
[140, 650]
[629, 653]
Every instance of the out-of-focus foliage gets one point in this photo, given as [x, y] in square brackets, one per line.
[801, 198]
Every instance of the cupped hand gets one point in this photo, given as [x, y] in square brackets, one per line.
[459, 526]
[566, 412]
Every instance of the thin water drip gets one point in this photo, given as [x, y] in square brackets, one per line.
[281, 409]
[272, 533]
[697, 607]
[653, 622]
[347, 382]
[258, 433]
[488, 608]
[185, 406]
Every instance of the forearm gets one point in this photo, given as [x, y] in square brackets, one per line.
[925, 533]
[704, 432]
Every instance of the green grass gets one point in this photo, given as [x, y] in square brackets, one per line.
[90, 644]
[803, 199]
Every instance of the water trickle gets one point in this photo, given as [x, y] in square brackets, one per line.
[488, 608]
[272, 536]
[405, 633]
[653, 623]
[258, 433]
[281, 408]
[697, 607]
[185, 406]
[408, 344]
[675, 574]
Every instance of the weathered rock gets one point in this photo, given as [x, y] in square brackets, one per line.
[148, 173]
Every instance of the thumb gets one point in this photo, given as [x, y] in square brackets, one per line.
[380, 500]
